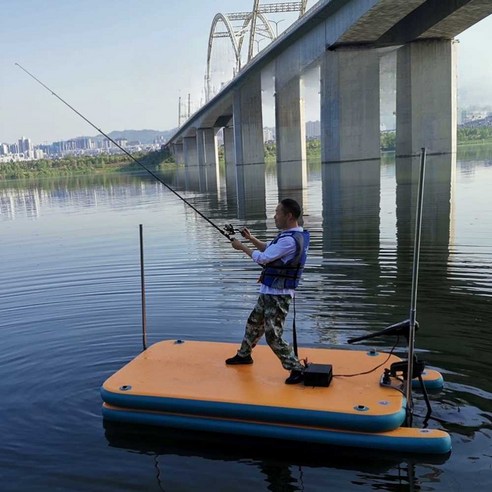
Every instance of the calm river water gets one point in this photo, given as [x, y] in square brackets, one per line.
[70, 317]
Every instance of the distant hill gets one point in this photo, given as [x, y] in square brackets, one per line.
[142, 136]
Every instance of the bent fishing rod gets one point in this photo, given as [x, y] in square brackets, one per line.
[229, 229]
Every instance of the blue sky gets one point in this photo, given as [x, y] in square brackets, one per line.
[125, 63]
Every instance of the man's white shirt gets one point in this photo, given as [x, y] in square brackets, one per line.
[284, 248]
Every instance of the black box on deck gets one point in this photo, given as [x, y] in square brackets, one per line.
[318, 375]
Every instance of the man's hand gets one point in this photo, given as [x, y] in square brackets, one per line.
[236, 244]
[246, 233]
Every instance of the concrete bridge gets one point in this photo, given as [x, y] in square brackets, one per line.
[344, 40]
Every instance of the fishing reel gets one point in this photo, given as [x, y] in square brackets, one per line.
[230, 229]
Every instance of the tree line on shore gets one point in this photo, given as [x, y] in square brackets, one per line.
[466, 135]
[79, 165]
[161, 159]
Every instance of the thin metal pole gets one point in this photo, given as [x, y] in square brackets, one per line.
[294, 331]
[179, 112]
[142, 284]
[415, 279]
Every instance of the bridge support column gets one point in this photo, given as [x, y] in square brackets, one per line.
[208, 159]
[207, 147]
[248, 142]
[230, 163]
[178, 153]
[229, 145]
[190, 155]
[426, 97]
[290, 130]
[350, 105]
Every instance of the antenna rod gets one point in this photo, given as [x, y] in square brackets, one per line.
[179, 111]
[142, 286]
[126, 152]
[415, 279]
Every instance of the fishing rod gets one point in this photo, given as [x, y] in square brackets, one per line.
[229, 229]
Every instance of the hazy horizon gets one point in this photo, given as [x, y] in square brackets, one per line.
[97, 57]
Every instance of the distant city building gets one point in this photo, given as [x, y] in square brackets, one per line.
[268, 134]
[24, 145]
[160, 140]
[313, 129]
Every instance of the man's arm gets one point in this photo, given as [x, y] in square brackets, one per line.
[259, 245]
[236, 244]
[285, 247]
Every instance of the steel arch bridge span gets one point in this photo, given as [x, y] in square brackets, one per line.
[236, 35]
[237, 25]
[271, 8]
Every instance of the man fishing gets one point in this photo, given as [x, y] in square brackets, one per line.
[283, 261]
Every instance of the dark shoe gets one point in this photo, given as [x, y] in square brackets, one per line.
[237, 359]
[295, 377]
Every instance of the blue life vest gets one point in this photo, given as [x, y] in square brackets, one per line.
[280, 275]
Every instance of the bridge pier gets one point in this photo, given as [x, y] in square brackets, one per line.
[177, 150]
[229, 147]
[190, 154]
[230, 165]
[290, 130]
[350, 105]
[208, 159]
[207, 147]
[426, 97]
[249, 150]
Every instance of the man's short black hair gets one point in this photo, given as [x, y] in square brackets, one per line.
[291, 206]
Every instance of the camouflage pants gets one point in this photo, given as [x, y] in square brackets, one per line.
[267, 318]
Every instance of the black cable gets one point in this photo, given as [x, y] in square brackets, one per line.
[126, 152]
[158, 472]
[371, 370]
[294, 331]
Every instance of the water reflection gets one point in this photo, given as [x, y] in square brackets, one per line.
[351, 218]
[436, 224]
[192, 178]
[250, 187]
[285, 467]
[28, 198]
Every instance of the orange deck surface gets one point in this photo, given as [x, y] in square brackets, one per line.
[196, 371]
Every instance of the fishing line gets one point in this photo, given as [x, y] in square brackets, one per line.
[126, 152]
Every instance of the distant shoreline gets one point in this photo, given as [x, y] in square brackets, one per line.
[83, 165]
[159, 160]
